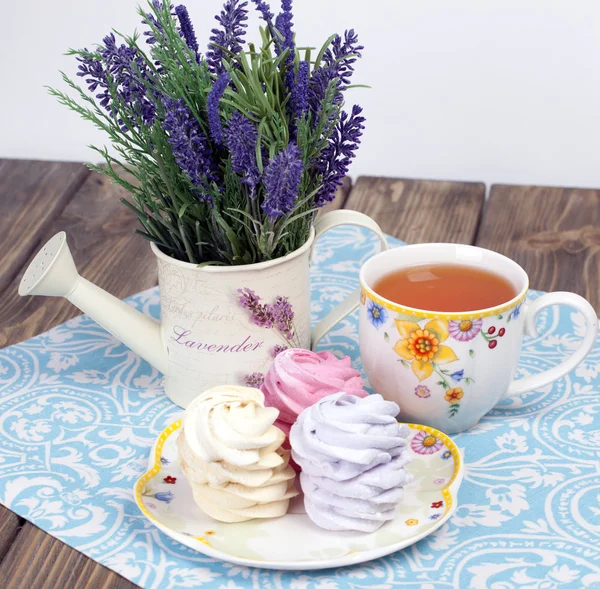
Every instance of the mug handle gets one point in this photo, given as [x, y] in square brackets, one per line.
[578, 303]
[322, 225]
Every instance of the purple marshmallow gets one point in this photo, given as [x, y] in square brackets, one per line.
[352, 452]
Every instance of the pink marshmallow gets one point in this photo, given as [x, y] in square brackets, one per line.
[299, 378]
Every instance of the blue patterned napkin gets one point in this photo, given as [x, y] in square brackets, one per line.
[79, 414]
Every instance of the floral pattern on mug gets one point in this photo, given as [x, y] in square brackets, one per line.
[453, 396]
[376, 313]
[514, 314]
[492, 334]
[458, 375]
[425, 345]
[466, 330]
[422, 347]
[422, 391]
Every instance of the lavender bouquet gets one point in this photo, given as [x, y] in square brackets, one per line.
[226, 155]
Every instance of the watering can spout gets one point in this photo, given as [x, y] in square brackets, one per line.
[52, 273]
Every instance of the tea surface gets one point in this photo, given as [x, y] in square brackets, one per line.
[452, 288]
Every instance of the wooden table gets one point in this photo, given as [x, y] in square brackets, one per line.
[554, 233]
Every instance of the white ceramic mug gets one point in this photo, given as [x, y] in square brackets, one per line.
[474, 354]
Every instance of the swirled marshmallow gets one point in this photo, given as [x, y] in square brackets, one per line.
[231, 453]
[298, 378]
[352, 452]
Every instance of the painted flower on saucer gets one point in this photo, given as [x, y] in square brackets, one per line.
[425, 443]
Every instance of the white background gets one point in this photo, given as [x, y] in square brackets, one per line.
[495, 91]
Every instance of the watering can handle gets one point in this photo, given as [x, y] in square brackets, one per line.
[322, 225]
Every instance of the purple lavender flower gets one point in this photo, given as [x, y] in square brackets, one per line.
[299, 92]
[278, 349]
[214, 118]
[337, 66]
[282, 182]
[241, 136]
[267, 16]
[231, 38]
[189, 145]
[341, 56]
[335, 159]
[125, 69]
[187, 29]
[283, 316]
[255, 380]
[95, 76]
[259, 313]
[150, 19]
[264, 9]
[283, 23]
[317, 88]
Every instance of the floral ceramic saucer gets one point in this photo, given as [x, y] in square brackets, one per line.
[293, 542]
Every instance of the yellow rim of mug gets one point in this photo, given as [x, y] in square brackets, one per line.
[390, 306]
[157, 465]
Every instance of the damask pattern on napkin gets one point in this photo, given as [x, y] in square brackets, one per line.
[79, 414]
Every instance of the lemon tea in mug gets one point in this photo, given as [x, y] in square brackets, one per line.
[445, 287]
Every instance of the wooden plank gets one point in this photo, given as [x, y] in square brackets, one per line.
[100, 234]
[38, 560]
[554, 233]
[32, 194]
[418, 211]
[10, 525]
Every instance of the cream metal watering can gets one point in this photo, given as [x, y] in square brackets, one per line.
[206, 337]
